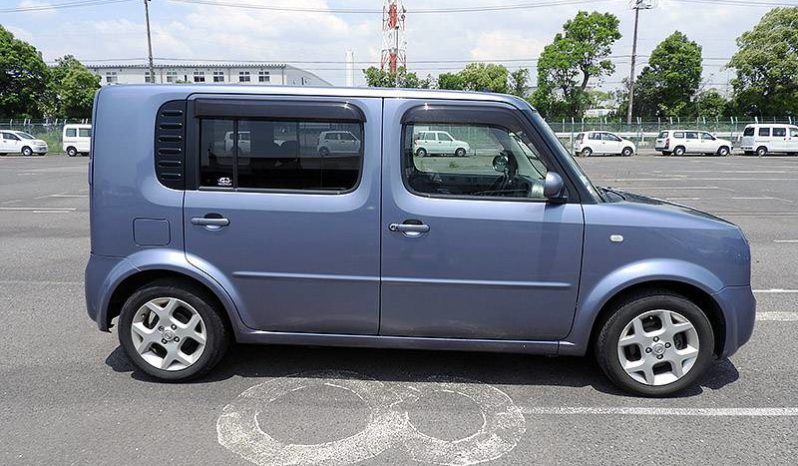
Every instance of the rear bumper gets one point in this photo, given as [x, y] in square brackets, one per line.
[739, 310]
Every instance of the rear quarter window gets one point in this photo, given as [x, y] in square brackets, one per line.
[663, 134]
[678, 134]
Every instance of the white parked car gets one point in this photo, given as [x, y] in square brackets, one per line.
[763, 139]
[337, 142]
[19, 142]
[680, 142]
[602, 142]
[438, 142]
[76, 140]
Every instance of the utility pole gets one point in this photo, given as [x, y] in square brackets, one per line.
[149, 40]
[637, 6]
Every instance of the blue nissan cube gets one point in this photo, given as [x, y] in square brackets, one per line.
[391, 218]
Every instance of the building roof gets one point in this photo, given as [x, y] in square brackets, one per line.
[189, 65]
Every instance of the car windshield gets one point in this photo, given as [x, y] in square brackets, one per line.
[24, 135]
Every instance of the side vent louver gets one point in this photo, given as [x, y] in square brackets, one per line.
[170, 146]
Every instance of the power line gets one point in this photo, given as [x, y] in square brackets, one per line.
[474, 9]
[60, 6]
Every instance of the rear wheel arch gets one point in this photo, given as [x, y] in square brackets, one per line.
[691, 292]
[141, 279]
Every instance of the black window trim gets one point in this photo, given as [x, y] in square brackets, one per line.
[474, 114]
[277, 110]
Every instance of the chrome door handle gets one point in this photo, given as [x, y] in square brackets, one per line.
[210, 221]
[411, 230]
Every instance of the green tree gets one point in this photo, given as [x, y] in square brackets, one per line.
[376, 77]
[71, 89]
[767, 65]
[518, 82]
[576, 55]
[710, 104]
[487, 77]
[23, 78]
[668, 84]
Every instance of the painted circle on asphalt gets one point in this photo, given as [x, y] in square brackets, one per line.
[387, 426]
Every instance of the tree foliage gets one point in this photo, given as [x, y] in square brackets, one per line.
[576, 55]
[23, 78]
[710, 104]
[767, 65]
[376, 77]
[488, 77]
[667, 85]
[518, 82]
[71, 89]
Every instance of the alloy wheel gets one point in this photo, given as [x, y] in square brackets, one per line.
[168, 333]
[658, 347]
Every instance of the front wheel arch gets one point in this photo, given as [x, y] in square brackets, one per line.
[694, 294]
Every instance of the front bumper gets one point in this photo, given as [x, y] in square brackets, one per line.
[739, 310]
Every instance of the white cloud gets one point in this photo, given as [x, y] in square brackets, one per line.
[36, 4]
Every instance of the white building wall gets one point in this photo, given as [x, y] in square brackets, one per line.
[234, 74]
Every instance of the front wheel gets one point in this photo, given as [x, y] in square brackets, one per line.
[27, 151]
[627, 152]
[173, 331]
[460, 152]
[723, 151]
[655, 344]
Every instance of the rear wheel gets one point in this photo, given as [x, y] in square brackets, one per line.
[655, 344]
[586, 152]
[27, 151]
[761, 151]
[72, 152]
[678, 151]
[173, 331]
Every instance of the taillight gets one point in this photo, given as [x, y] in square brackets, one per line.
[667, 142]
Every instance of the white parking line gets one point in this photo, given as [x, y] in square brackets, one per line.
[778, 316]
[35, 209]
[785, 240]
[776, 291]
[635, 411]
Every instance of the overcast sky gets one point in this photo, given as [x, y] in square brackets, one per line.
[225, 34]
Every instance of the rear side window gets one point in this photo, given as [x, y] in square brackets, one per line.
[84, 132]
[274, 154]
[794, 132]
[71, 132]
[663, 134]
[580, 136]
[678, 135]
[692, 135]
[595, 136]
[764, 131]
[779, 132]
[748, 131]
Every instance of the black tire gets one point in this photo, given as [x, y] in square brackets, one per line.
[678, 151]
[460, 152]
[421, 152]
[627, 152]
[723, 151]
[324, 152]
[217, 331]
[761, 151]
[27, 151]
[606, 349]
[586, 152]
[72, 152]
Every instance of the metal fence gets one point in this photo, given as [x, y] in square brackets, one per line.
[643, 133]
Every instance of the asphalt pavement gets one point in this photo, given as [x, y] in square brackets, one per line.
[68, 395]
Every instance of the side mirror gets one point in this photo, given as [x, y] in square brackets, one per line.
[500, 163]
[553, 186]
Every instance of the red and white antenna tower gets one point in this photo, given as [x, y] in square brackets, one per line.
[393, 35]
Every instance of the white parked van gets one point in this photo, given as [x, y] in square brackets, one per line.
[76, 140]
[680, 142]
[765, 138]
[602, 142]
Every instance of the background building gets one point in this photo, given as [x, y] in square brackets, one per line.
[250, 73]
